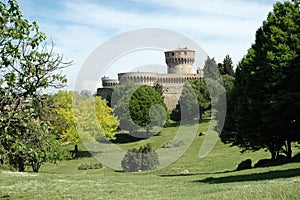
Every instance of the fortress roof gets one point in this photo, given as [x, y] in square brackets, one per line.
[181, 49]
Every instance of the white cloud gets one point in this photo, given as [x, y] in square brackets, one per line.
[220, 27]
[215, 24]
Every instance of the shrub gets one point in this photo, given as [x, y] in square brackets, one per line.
[144, 159]
[246, 164]
[206, 114]
[86, 166]
[172, 144]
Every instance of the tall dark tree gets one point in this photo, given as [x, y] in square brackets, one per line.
[211, 68]
[264, 101]
[194, 93]
[228, 82]
[221, 68]
[227, 66]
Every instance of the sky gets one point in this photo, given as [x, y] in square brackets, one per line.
[77, 28]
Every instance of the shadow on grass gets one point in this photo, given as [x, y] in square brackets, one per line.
[205, 120]
[122, 138]
[171, 124]
[281, 161]
[84, 154]
[253, 177]
[195, 174]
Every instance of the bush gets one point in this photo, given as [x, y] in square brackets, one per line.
[172, 144]
[246, 164]
[86, 166]
[206, 114]
[175, 115]
[144, 159]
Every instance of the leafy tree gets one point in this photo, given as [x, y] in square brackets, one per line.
[227, 66]
[266, 90]
[62, 118]
[140, 108]
[159, 89]
[221, 68]
[140, 105]
[194, 93]
[211, 68]
[186, 110]
[91, 115]
[228, 81]
[27, 67]
[85, 94]
[80, 110]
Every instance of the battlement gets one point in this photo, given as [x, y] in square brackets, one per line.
[180, 61]
[107, 82]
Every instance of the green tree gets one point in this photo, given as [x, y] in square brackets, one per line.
[159, 89]
[62, 118]
[227, 66]
[81, 111]
[266, 90]
[140, 108]
[27, 67]
[211, 68]
[94, 119]
[194, 93]
[228, 81]
[221, 68]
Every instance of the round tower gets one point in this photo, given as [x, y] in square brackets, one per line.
[107, 82]
[180, 61]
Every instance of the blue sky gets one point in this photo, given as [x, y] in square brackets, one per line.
[77, 27]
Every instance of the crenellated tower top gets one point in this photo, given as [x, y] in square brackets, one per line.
[180, 61]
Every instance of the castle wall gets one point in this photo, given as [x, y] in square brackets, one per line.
[171, 95]
[172, 83]
[180, 70]
[104, 93]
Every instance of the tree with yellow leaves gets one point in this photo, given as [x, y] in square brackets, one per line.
[82, 117]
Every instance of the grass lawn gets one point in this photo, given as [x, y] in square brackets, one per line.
[210, 178]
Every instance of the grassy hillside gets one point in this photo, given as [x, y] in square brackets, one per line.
[210, 178]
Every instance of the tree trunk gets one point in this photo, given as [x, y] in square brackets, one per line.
[76, 150]
[200, 115]
[18, 163]
[273, 154]
[21, 166]
[35, 166]
[289, 149]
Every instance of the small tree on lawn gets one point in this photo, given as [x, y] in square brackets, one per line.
[138, 106]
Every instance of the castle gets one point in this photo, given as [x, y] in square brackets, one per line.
[180, 69]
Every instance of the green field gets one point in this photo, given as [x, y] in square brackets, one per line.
[212, 177]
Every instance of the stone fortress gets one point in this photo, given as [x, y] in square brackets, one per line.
[180, 69]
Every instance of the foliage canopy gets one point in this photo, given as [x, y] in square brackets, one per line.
[264, 103]
[27, 68]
